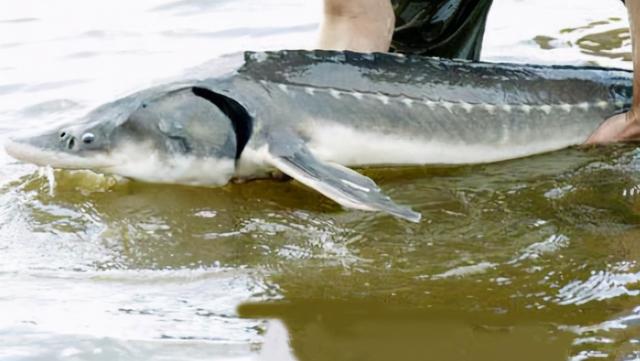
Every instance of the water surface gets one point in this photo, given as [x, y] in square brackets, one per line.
[532, 259]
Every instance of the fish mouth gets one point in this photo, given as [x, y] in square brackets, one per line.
[29, 153]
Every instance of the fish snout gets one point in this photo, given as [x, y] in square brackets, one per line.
[23, 146]
[43, 147]
[10, 146]
[19, 147]
[59, 149]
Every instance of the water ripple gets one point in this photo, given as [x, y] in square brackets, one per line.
[552, 244]
[601, 285]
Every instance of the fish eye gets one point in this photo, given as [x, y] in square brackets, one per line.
[88, 138]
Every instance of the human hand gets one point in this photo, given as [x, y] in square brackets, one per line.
[622, 127]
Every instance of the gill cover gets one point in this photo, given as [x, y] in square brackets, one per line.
[180, 122]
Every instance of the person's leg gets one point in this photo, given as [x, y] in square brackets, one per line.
[445, 28]
[358, 25]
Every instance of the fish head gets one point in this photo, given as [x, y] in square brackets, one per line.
[173, 137]
[84, 143]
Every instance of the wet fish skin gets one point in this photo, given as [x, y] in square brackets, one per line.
[510, 110]
[310, 114]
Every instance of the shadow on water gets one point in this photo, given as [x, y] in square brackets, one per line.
[374, 331]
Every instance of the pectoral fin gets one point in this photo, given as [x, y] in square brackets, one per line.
[343, 185]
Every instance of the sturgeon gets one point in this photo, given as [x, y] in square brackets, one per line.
[312, 114]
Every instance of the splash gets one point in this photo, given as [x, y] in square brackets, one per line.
[47, 172]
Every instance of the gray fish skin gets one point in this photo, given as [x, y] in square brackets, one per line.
[503, 110]
[310, 113]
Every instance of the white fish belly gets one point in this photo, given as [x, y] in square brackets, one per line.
[348, 146]
[142, 162]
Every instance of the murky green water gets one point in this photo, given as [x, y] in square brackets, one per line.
[532, 259]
